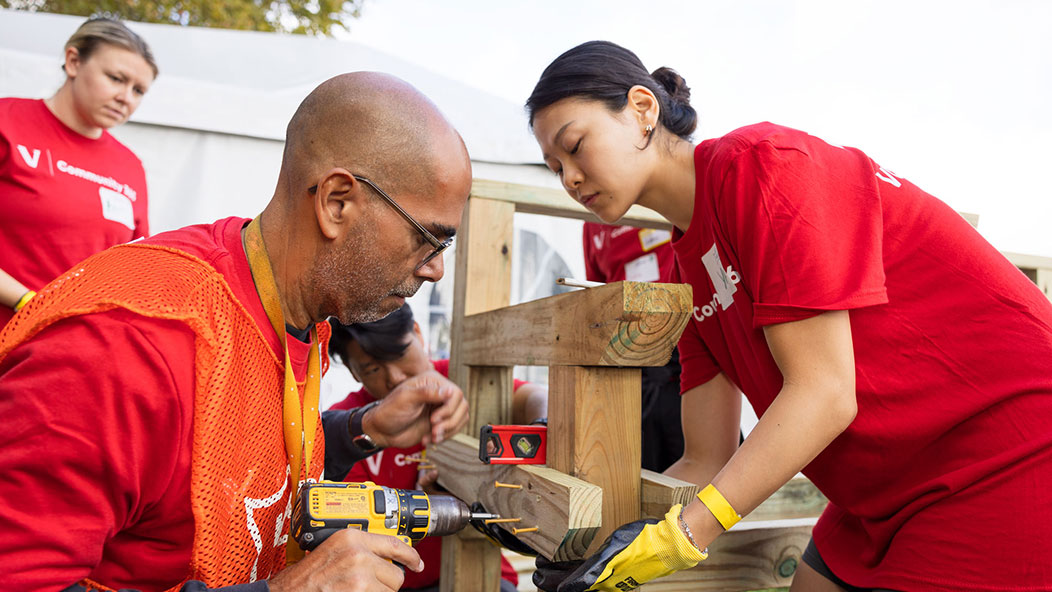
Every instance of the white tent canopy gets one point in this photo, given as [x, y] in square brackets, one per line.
[209, 132]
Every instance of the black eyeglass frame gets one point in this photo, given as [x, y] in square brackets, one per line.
[437, 245]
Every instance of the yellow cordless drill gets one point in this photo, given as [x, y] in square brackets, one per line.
[325, 507]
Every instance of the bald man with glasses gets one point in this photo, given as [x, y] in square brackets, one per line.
[162, 397]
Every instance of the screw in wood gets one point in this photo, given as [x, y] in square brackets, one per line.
[508, 485]
[519, 530]
[501, 520]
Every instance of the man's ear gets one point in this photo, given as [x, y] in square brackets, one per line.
[643, 105]
[338, 202]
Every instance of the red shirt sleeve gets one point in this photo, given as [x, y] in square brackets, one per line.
[806, 217]
[96, 453]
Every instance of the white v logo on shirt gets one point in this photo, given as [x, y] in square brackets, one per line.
[33, 160]
[374, 462]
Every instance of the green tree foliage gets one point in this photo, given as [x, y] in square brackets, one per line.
[310, 17]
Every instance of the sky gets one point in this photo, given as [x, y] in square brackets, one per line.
[952, 95]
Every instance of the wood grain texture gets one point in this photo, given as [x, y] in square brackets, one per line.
[593, 434]
[799, 498]
[489, 391]
[743, 559]
[620, 324]
[661, 492]
[530, 199]
[470, 561]
[566, 510]
[483, 271]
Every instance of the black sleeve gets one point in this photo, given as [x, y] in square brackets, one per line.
[340, 451]
[196, 586]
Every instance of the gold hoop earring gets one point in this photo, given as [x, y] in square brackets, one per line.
[646, 131]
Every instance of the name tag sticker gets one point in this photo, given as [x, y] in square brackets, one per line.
[723, 285]
[650, 238]
[116, 207]
[644, 269]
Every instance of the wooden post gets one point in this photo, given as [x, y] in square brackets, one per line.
[482, 283]
[593, 434]
[470, 561]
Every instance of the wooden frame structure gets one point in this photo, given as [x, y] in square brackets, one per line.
[593, 341]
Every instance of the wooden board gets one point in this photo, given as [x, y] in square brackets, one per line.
[744, 559]
[483, 262]
[620, 324]
[566, 510]
[530, 199]
[593, 434]
[799, 498]
[661, 492]
[470, 561]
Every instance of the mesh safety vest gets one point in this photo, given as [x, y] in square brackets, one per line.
[240, 485]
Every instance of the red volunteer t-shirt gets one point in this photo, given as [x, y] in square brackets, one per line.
[943, 479]
[98, 416]
[616, 253]
[390, 468]
[63, 196]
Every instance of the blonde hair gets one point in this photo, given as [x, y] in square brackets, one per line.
[98, 30]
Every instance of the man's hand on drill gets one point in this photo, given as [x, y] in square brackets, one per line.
[424, 409]
[350, 561]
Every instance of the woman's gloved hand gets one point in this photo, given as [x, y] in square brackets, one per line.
[633, 555]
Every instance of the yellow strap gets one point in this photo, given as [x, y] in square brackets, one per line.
[300, 420]
[23, 300]
[719, 506]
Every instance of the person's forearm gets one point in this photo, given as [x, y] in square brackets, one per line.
[11, 290]
[797, 426]
[529, 403]
[340, 451]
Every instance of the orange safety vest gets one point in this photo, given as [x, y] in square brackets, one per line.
[240, 476]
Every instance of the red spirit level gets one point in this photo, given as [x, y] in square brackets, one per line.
[513, 444]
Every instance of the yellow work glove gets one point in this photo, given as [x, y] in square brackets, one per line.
[632, 555]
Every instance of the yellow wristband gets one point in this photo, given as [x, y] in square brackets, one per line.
[719, 506]
[23, 300]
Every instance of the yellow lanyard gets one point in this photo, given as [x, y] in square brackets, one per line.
[300, 421]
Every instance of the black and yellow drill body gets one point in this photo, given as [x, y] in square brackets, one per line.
[325, 507]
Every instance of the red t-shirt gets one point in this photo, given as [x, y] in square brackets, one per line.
[616, 253]
[97, 438]
[943, 479]
[389, 467]
[63, 196]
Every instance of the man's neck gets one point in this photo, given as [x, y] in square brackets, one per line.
[292, 309]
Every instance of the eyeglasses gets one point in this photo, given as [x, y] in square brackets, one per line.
[437, 246]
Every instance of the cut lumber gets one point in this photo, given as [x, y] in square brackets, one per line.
[593, 434]
[661, 492]
[629, 324]
[470, 561]
[799, 498]
[744, 558]
[483, 261]
[567, 511]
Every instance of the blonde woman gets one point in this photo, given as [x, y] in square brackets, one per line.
[67, 187]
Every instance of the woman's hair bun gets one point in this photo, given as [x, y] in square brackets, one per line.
[677, 116]
[673, 84]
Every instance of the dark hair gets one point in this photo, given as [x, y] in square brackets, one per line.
[385, 339]
[604, 71]
[99, 30]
